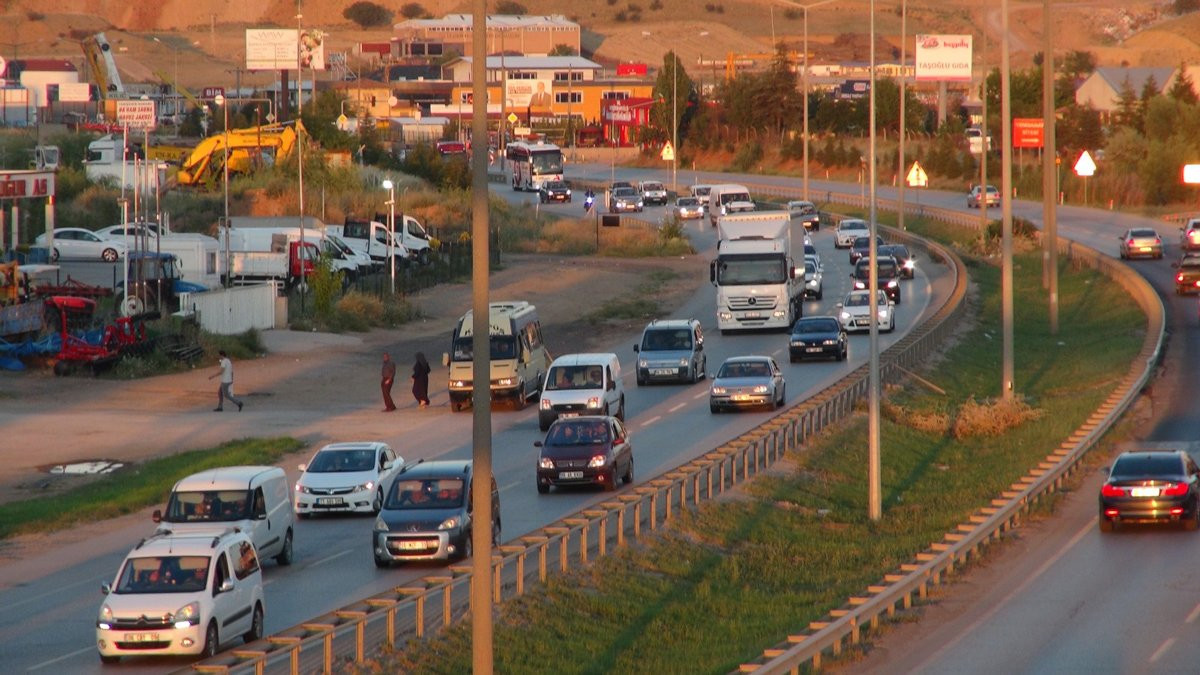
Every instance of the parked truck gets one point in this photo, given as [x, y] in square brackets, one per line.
[291, 263]
[201, 259]
[371, 238]
[758, 283]
[410, 237]
[245, 237]
[109, 159]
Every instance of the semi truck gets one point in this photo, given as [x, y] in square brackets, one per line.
[758, 283]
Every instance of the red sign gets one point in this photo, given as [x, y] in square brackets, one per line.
[1028, 132]
[22, 184]
[624, 69]
[213, 92]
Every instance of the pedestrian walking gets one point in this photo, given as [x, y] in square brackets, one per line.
[388, 379]
[420, 378]
[226, 389]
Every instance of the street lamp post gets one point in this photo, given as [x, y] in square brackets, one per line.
[804, 79]
[174, 86]
[391, 202]
[220, 100]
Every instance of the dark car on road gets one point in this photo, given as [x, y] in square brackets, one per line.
[817, 336]
[554, 191]
[1149, 487]
[585, 450]
[1187, 274]
[861, 247]
[903, 256]
[888, 276]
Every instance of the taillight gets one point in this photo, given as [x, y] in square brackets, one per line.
[1111, 491]
[1179, 277]
[1175, 490]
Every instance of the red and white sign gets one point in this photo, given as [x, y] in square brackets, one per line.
[24, 184]
[1028, 132]
[213, 92]
[626, 112]
[943, 58]
[136, 114]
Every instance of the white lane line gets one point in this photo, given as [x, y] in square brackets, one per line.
[652, 420]
[1166, 645]
[699, 396]
[56, 590]
[1194, 615]
[51, 662]
[676, 407]
[327, 559]
[506, 488]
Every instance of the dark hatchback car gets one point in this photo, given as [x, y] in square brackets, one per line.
[817, 336]
[554, 191]
[428, 514]
[903, 257]
[1148, 487]
[889, 276]
[1187, 273]
[587, 450]
[861, 248]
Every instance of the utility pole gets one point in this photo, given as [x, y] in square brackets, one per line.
[875, 488]
[1049, 170]
[903, 73]
[1006, 262]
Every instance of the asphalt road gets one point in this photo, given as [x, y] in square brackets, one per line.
[47, 626]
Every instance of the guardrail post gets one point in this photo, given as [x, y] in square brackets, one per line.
[521, 552]
[391, 605]
[542, 542]
[327, 639]
[445, 582]
[564, 536]
[602, 537]
[360, 623]
[256, 654]
[419, 593]
[293, 645]
[584, 527]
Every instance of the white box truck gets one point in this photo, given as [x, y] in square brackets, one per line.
[344, 257]
[758, 283]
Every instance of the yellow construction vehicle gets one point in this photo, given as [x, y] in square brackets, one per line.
[248, 149]
[99, 56]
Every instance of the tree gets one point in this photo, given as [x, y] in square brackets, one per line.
[412, 10]
[1128, 112]
[1078, 64]
[1181, 89]
[368, 14]
[1162, 118]
[1079, 129]
[563, 50]
[510, 7]
[675, 98]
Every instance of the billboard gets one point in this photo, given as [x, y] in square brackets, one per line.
[74, 92]
[943, 58]
[536, 95]
[275, 49]
[136, 114]
[1028, 132]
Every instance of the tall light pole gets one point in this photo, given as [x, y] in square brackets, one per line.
[804, 80]
[1006, 263]
[391, 202]
[300, 138]
[1049, 170]
[875, 489]
[174, 86]
[903, 120]
[220, 100]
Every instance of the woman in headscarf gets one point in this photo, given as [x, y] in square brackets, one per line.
[420, 378]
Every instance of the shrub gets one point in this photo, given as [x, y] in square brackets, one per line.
[368, 14]
[655, 5]
[412, 10]
[510, 7]
[747, 156]
[992, 417]
[34, 16]
[325, 283]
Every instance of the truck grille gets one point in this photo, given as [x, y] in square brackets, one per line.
[751, 302]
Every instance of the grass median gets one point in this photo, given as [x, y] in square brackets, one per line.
[739, 575]
[134, 487]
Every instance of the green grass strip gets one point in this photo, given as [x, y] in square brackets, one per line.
[134, 487]
[738, 575]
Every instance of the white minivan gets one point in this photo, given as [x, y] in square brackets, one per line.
[254, 499]
[726, 199]
[582, 384]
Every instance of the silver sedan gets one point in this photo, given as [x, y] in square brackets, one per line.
[745, 382]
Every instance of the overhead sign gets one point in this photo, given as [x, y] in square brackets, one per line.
[917, 176]
[668, 152]
[74, 92]
[136, 114]
[943, 58]
[213, 92]
[1085, 165]
[1028, 132]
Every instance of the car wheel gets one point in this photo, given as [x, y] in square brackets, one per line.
[544, 426]
[377, 502]
[641, 382]
[782, 396]
[211, 641]
[519, 398]
[54, 255]
[843, 353]
[792, 358]
[543, 488]
[713, 409]
[628, 477]
[1107, 525]
[287, 553]
[256, 626]
[821, 293]
[467, 547]
[621, 410]
[109, 659]
[109, 255]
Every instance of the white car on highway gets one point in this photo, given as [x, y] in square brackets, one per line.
[855, 311]
[848, 230]
[813, 279]
[80, 244]
[346, 477]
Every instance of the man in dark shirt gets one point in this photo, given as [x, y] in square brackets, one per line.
[389, 377]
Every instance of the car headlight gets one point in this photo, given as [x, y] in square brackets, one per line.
[829, 342]
[909, 264]
[643, 363]
[719, 391]
[760, 388]
[725, 316]
[859, 285]
[106, 617]
[597, 461]
[381, 525]
[568, 193]
[458, 384]
[369, 485]
[593, 402]
[188, 615]
[797, 343]
[450, 523]
[892, 284]
[779, 313]
[883, 313]
[845, 316]
[545, 463]
[684, 361]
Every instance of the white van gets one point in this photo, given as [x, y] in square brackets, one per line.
[519, 358]
[582, 384]
[700, 192]
[726, 199]
[254, 499]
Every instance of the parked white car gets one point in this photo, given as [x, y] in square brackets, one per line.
[848, 230]
[118, 232]
[346, 477]
[855, 311]
[80, 244]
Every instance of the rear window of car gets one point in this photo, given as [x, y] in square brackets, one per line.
[1138, 466]
[1147, 234]
[886, 266]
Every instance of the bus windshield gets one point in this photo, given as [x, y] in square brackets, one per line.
[503, 347]
[746, 270]
[547, 162]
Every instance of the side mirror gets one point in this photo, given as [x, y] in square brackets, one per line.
[387, 464]
[446, 359]
[712, 272]
[225, 586]
[612, 386]
[838, 306]
[302, 467]
[537, 444]
[156, 516]
[105, 588]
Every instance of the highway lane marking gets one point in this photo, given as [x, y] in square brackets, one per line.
[77, 652]
[1192, 617]
[700, 396]
[676, 407]
[327, 559]
[56, 590]
[505, 488]
[1162, 649]
[652, 420]
[1050, 562]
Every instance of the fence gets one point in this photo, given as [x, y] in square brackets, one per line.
[229, 311]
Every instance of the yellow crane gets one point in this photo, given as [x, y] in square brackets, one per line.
[248, 149]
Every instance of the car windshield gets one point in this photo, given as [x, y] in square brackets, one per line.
[864, 299]
[665, 339]
[687, 201]
[809, 268]
[430, 493]
[624, 192]
[802, 208]
[503, 347]
[701, 190]
[163, 574]
[746, 270]
[651, 186]
[342, 461]
[809, 326]
[744, 369]
[591, 432]
[207, 506]
[575, 377]
[730, 197]
[1146, 466]
[852, 225]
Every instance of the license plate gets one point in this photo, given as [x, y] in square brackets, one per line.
[740, 397]
[330, 501]
[411, 545]
[568, 475]
[141, 637]
[1143, 492]
[1144, 249]
[662, 371]
[568, 414]
[752, 315]
[815, 349]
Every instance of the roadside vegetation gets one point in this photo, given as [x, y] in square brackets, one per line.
[133, 487]
[722, 583]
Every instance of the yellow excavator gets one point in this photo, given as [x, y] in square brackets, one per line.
[249, 149]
